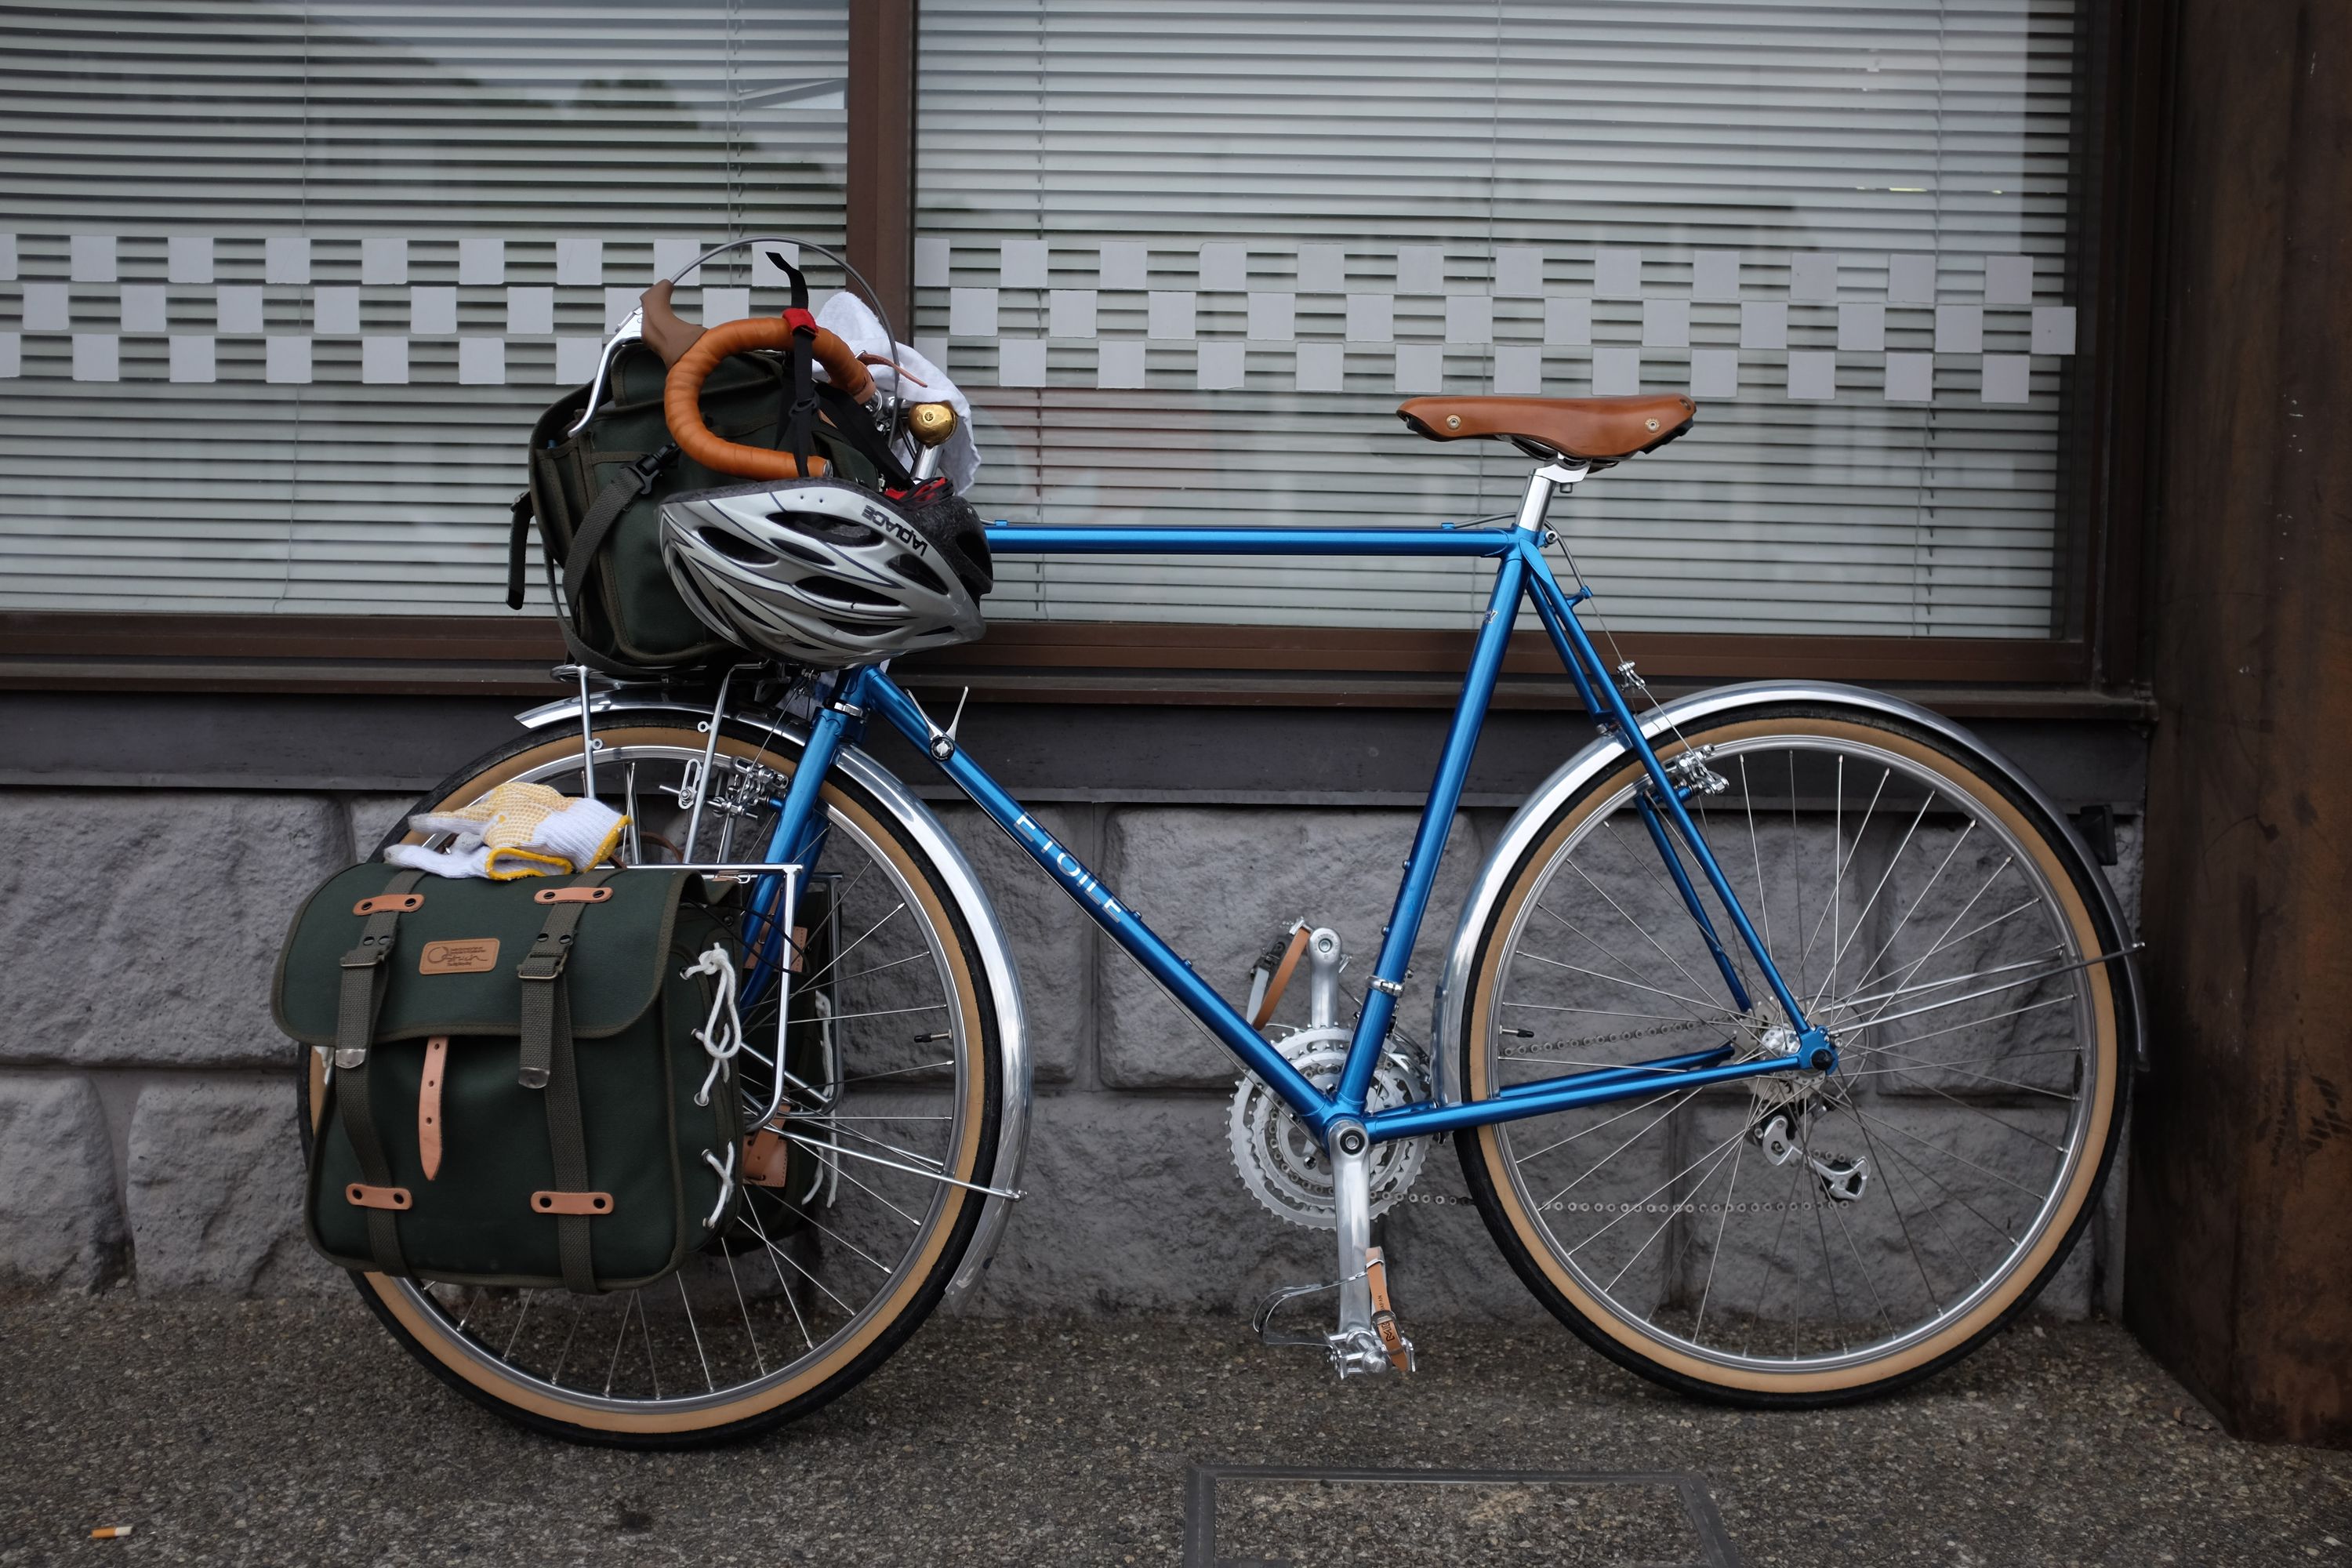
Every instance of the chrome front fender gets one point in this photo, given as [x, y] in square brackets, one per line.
[961, 883]
[1452, 991]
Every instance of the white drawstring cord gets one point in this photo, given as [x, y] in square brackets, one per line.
[720, 1042]
[726, 1185]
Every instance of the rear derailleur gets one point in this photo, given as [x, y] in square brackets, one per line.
[1782, 1134]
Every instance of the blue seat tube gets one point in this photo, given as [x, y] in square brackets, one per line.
[1429, 840]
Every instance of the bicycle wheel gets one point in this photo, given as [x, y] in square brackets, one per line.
[815, 1283]
[1801, 1238]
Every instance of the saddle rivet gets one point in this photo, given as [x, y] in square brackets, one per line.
[1651, 423]
[1453, 422]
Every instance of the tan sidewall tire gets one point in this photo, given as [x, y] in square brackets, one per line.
[435, 1342]
[1954, 1337]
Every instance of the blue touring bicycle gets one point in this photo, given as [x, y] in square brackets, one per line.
[1783, 1036]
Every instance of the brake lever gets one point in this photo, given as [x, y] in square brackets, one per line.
[631, 330]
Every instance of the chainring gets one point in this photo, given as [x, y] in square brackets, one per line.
[1284, 1165]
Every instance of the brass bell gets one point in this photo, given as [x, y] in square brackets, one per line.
[930, 423]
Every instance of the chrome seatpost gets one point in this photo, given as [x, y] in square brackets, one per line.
[1547, 481]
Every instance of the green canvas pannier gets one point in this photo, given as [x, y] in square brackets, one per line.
[597, 498]
[516, 1069]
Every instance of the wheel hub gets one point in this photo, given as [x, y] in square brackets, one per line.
[1283, 1163]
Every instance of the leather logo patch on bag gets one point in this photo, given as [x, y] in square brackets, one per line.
[466, 957]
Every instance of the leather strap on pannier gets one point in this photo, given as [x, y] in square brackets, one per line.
[546, 1062]
[356, 1005]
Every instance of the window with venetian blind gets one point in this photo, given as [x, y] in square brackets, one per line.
[282, 286]
[1187, 257]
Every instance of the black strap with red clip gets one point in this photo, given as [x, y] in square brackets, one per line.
[806, 402]
[796, 417]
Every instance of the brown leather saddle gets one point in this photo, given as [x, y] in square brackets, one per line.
[1594, 430]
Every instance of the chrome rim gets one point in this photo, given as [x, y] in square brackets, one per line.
[1910, 919]
[797, 1275]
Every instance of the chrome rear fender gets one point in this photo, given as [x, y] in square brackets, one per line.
[961, 883]
[1453, 992]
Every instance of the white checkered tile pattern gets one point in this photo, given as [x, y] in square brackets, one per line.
[1803, 326]
[292, 310]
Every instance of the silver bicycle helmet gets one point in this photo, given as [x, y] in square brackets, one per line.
[826, 573]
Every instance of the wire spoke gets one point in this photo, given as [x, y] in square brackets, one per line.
[1681, 1100]
[840, 1171]
[1730, 1196]
[777, 1260]
[1919, 1063]
[1862, 918]
[1862, 1115]
[1637, 925]
[688, 1302]
[879, 968]
[1919, 1262]
[844, 952]
[1611, 955]
[1870, 1050]
[759, 1357]
[1629, 1111]
[1637, 1204]
[1927, 985]
[1720, 1149]
[1715, 1007]
[1934, 877]
[892, 1072]
[820, 1225]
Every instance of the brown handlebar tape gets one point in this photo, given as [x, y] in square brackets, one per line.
[682, 395]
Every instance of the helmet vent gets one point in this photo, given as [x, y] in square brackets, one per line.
[850, 596]
[920, 571]
[839, 530]
[733, 548]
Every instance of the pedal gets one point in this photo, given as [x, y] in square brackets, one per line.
[1398, 1349]
[1262, 1321]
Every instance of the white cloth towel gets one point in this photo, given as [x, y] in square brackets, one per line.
[515, 830]
[849, 318]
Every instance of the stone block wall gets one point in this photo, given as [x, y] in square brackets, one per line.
[147, 1104]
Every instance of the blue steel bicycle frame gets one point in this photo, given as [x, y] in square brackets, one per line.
[1522, 574]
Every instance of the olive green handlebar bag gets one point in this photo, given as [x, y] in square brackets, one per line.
[516, 1069]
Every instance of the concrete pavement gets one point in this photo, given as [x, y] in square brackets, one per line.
[294, 1432]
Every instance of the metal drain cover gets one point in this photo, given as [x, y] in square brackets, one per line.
[1280, 1516]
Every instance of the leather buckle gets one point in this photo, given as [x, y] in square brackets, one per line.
[359, 1194]
[572, 895]
[593, 1205]
[389, 903]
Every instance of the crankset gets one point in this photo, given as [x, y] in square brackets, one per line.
[1339, 1182]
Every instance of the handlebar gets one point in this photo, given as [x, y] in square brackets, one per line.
[682, 394]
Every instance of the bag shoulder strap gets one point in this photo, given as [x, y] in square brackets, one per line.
[636, 481]
[518, 516]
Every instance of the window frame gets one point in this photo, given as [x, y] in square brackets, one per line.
[2121, 58]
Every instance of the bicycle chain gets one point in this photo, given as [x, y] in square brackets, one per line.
[1619, 1039]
